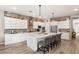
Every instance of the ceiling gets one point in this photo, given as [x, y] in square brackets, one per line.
[46, 10]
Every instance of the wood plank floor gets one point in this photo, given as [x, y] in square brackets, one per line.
[67, 47]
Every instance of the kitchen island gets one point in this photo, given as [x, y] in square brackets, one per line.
[31, 38]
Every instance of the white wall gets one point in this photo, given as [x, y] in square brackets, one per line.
[76, 26]
[12, 23]
[1, 26]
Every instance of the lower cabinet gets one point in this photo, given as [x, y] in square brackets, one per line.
[14, 38]
[65, 36]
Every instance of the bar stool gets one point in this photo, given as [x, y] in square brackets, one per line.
[43, 45]
[58, 40]
[52, 41]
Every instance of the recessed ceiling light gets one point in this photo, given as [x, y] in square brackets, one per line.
[75, 9]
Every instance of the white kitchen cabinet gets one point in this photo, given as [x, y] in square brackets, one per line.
[63, 24]
[14, 38]
[65, 35]
[13, 23]
[9, 23]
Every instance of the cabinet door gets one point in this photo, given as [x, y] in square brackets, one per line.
[13, 23]
[9, 23]
[65, 36]
[63, 24]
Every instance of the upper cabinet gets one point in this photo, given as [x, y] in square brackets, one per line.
[63, 24]
[13, 23]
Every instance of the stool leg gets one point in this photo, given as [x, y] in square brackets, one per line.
[51, 46]
[44, 50]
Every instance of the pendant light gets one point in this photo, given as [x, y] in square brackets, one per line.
[39, 11]
[52, 18]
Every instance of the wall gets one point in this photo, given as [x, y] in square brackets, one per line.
[76, 26]
[12, 23]
[2, 26]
